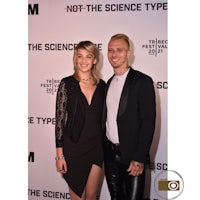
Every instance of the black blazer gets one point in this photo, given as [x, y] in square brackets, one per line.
[136, 117]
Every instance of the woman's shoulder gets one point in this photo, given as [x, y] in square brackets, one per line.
[102, 84]
[67, 78]
[68, 82]
[101, 81]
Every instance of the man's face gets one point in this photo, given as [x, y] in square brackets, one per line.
[118, 53]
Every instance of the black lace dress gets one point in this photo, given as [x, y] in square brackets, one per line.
[79, 131]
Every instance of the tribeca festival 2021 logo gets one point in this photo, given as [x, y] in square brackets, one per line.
[50, 86]
[155, 46]
[168, 184]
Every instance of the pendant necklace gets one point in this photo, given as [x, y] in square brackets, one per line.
[86, 79]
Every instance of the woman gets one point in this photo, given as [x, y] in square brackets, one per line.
[79, 152]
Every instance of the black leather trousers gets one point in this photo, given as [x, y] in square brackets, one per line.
[121, 185]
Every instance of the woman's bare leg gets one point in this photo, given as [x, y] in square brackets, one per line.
[93, 182]
[74, 196]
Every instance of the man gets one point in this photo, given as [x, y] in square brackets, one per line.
[130, 122]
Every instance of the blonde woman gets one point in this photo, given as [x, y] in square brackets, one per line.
[78, 131]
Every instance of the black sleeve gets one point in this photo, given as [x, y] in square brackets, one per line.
[61, 113]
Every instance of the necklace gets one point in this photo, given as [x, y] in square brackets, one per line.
[86, 79]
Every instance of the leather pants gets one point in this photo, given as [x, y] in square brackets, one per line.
[121, 185]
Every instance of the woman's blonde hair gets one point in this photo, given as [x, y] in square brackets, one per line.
[90, 47]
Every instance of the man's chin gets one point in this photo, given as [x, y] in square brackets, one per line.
[115, 66]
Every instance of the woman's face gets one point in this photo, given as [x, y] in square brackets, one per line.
[84, 60]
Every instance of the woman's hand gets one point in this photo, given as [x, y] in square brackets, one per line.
[61, 166]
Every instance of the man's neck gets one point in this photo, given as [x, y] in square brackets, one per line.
[120, 71]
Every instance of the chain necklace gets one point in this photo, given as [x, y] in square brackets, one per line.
[86, 79]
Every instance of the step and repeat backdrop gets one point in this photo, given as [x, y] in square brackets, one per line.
[54, 29]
